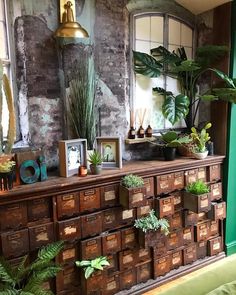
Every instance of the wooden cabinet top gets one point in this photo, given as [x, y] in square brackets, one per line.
[58, 185]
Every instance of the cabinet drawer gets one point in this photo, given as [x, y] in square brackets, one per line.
[113, 267]
[39, 209]
[216, 191]
[94, 284]
[41, 235]
[143, 255]
[144, 272]
[191, 176]
[111, 243]
[149, 184]
[175, 220]
[112, 285]
[69, 254]
[67, 205]
[127, 217]
[190, 218]
[145, 210]
[188, 235]
[110, 219]
[91, 224]
[109, 195]
[178, 180]
[214, 172]
[164, 184]
[201, 231]
[128, 278]
[90, 248]
[178, 200]
[13, 216]
[201, 174]
[132, 197]
[160, 248]
[15, 244]
[164, 206]
[189, 254]
[161, 266]
[214, 228]
[128, 238]
[127, 259]
[69, 230]
[174, 240]
[67, 278]
[201, 249]
[176, 259]
[89, 200]
[218, 211]
[214, 246]
[197, 203]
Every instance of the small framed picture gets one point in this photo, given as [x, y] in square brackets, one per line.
[72, 154]
[110, 149]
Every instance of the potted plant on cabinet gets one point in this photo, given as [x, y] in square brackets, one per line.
[200, 138]
[95, 158]
[171, 142]
[132, 191]
[92, 273]
[28, 279]
[197, 197]
[151, 229]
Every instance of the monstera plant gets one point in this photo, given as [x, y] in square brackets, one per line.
[188, 73]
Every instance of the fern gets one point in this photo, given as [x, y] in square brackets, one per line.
[6, 272]
[50, 251]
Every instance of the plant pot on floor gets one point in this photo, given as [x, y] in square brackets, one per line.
[95, 169]
[169, 153]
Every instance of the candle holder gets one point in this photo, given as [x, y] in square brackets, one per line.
[83, 171]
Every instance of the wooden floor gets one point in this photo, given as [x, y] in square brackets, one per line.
[177, 281]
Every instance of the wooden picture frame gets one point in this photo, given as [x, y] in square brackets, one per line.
[110, 149]
[72, 154]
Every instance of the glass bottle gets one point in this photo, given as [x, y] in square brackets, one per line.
[140, 132]
[148, 131]
[131, 134]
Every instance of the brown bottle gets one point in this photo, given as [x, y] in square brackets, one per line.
[148, 131]
[140, 132]
[131, 134]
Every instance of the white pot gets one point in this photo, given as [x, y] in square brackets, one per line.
[200, 156]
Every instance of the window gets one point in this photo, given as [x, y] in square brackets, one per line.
[5, 56]
[150, 31]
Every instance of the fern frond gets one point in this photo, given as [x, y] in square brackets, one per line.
[6, 272]
[49, 272]
[38, 265]
[20, 271]
[50, 251]
[9, 292]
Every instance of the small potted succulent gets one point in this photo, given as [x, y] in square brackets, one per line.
[95, 159]
[92, 273]
[200, 138]
[197, 197]
[132, 191]
[171, 141]
[150, 229]
[6, 175]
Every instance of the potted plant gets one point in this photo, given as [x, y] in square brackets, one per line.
[150, 229]
[200, 138]
[188, 73]
[95, 158]
[171, 141]
[132, 191]
[197, 197]
[28, 279]
[6, 175]
[92, 273]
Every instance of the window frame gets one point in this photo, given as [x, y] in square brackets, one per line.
[166, 16]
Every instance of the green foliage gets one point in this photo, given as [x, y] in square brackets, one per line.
[90, 266]
[198, 188]
[95, 158]
[27, 279]
[82, 99]
[151, 222]
[132, 181]
[200, 138]
[187, 72]
[171, 139]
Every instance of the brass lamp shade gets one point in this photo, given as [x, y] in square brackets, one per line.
[71, 30]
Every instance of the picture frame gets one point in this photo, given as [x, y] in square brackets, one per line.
[72, 154]
[110, 149]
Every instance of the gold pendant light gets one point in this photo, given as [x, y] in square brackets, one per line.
[70, 28]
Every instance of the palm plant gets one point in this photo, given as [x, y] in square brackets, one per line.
[82, 98]
[28, 279]
[187, 72]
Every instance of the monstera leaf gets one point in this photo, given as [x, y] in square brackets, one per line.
[175, 108]
[227, 94]
[146, 65]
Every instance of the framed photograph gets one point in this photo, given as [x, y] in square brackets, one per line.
[72, 154]
[110, 149]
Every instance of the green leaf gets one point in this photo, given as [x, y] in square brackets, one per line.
[169, 136]
[175, 108]
[227, 94]
[50, 251]
[224, 77]
[83, 263]
[146, 65]
[164, 56]
[208, 97]
[162, 91]
[187, 66]
[6, 272]
[88, 272]
[10, 292]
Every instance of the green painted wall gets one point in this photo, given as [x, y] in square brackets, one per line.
[230, 163]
